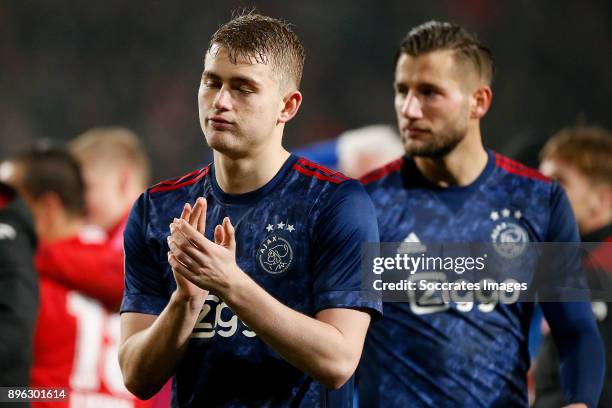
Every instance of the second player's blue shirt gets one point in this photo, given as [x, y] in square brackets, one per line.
[445, 355]
[299, 237]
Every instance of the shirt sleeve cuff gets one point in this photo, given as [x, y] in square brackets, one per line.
[143, 304]
[358, 299]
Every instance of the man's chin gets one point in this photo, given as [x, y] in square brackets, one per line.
[434, 147]
[220, 139]
[427, 150]
[228, 146]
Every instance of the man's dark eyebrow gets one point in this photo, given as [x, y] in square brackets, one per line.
[210, 75]
[429, 85]
[419, 85]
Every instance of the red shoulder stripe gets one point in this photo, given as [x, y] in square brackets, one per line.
[517, 168]
[307, 163]
[316, 174]
[178, 183]
[180, 179]
[377, 174]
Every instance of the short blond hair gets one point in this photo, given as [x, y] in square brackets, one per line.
[114, 145]
[263, 39]
[588, 148]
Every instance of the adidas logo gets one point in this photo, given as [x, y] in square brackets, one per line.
[408, 245]
[412, 237]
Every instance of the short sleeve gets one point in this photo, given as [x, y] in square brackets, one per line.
[562, 226]
[561, 274]
[145, 291]
[348, 221]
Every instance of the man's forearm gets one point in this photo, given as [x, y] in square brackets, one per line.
[315, 347]
[148, 358]
[328, 347]
[581, 351]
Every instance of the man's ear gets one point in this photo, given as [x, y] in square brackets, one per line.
[126, 176]
[600, 199]
[290, 105]
[46, 210]
[482, 98]
[51, 202]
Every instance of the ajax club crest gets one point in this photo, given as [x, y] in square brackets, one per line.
[275, 254]
[509, 237]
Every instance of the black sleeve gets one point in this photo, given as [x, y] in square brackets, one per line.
[18, 294]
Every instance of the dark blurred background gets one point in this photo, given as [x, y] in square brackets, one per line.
[66, 66]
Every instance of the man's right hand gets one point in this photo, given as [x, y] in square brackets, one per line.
[153, 346]
[196, 217]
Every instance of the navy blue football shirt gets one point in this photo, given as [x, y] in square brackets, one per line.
[450, 355]
[299, 237]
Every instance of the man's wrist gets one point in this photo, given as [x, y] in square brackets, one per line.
[184, 299]
[232, 292]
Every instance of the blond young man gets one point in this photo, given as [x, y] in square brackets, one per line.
[252, 297]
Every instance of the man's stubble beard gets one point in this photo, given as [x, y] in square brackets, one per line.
[436, 145]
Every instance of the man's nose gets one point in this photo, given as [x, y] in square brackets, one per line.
[223, 99]
[411, 108]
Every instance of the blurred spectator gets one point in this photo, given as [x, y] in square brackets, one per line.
[356, 152]
[362, 150]
[116, 170]
[80, 279]
[18, 289]
[581, 159]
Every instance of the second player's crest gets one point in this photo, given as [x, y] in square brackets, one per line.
[509, 237]
[275, 254]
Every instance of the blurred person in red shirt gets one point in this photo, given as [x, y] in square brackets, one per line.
[81, 283]
[116, 170]
[580, 158]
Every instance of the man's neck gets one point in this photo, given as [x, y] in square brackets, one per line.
[238, 176]
[460, 167]
[63, 228]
